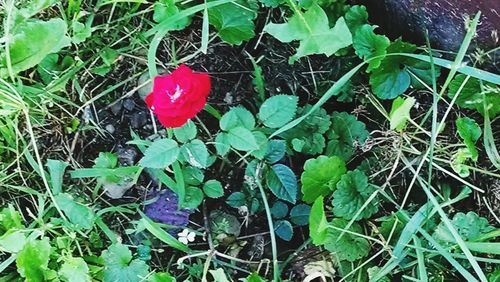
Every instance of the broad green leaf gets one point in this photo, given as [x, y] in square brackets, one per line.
[74, 270]
[194, 197]
[78, 214]
[213, 189]
[349, 247]
[12, 241]
[299, 215]
[471, 96]
[242, 139]
[31, 41]
[470, 226]
[279, 210]
[195, 153]
[353, 190]
[186, 132]
[470, 132]
[275, 151]
[368, 45]
[164, 9]
[119, 265]
[313, 31]
[162, 153]
[56, 171]
[193, 175]
[32, 261]
[278, 110]
[80, 32]
[284, 230]
[345, 134]
[356, 17]
[106, 160]
[52, 67]
[318, 226]
[320, 177]
[161, 277]
[282, 182]
[222, 145]
[262, 142]
[10, 219]
[400, 112]
[236, 200]
[234, 21]
[237, 117]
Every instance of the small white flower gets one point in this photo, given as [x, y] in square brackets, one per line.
[186, 236]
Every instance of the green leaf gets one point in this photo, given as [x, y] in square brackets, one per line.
[78, 214]
[278, 110]
[346, 132]
[32, 261]
[237, 117]
[185, 133]
[52, 68]
[242, 139]
[12, 241]
[10, 219]
[194, 197]
[320, 177]
[106, 160]
[119, 265]
[472, 97]
[161, 234]
[279, 210]
[349, 247]
[164, 9]
[74, 270]
[400, 112]
[299, 214]
[282, 182]
[31, 41]
[56, 171]
[213, 189]
[254, 277]
[459, 160]
[219, 275]
[80, 32]
[161, 277]
[313, 31]
[222, 145]
[236, 200]
[284, 230]
[470, 132]
[356, 17]
[275, 151]
[353, 190]
[195, 153]
[318, 226]
[368, 45]
[192, 175]
[162, 153]
[262, 142]
[234, 21]
[470, 227]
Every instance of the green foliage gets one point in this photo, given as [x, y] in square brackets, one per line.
[242, 139]
[349, 247]
[282, 182]
[369, 45]
[186, 132]
[320, 177]
[346, 132]
[164, 9]
[80, 32]
[213, 189]
[195, 153]
[470, 132]
[356, 17]
[53, 66]
[33, 260]
[237, 117]
[222, 145]
[400, 112]
[473, 97]
[254, 277]
[80, 215]
[278, 110]
[275, 151]
[10, 219]
[160, 154]
[284, 230]
[74, 270]
[161, 277]
[119, 265]
[234, 21]
[279, 210]
[299, 215]
[470, 226]
[353, 190]
[318, 225]
[313, 31]
[194, 197]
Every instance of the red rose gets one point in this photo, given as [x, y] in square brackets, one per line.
[179, 96]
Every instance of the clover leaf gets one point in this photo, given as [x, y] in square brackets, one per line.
[470, 226]
[349, 247]
[119, 265]
[346, 132]
[470, 132]
[353, 190]
[369, 45]
[234, 20]
[320, 177]
[313, 31]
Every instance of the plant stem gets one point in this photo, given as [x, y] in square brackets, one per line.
[276, 271]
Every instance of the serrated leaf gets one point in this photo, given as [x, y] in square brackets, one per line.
[222, 145]
[237, 117]
[32, 261]
[313, 31]
[368, 45]
[162, 153]
[282, 182]
[400, 112]
[349, 247]
[80, 32]
[262, 141]
[320, 177]
[279, 210]
[470, 132]
[242, 139]
[278, 110]
[317, 222]
[195, 153]
[186, 132]
[78, 214]
[236, 200]
[353, 190]
[194, 197]
[356, 17]
[119, 266]
[299, 215]
[275, 151]
[346, 132]
[284, 230]
[74, 270]
[192, 175]
[469, 226]
[234, 21]
[213, 189]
